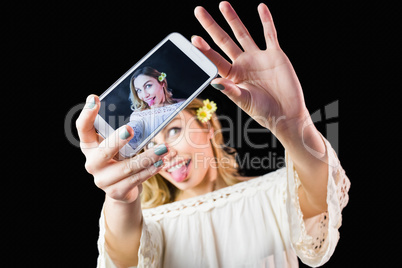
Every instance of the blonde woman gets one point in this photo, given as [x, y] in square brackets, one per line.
[181, 203]
[149, 89]
[192, 157]
[152, 102]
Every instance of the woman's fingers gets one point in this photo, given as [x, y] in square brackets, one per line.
[123, 189]
[221, 63]
[220, 37]
[110, 147]
[134, 168]
[269, 27]
[101, 155]
[85, 123]
[237, 26]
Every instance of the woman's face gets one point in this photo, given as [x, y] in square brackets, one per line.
[149, 90]
[193, 165]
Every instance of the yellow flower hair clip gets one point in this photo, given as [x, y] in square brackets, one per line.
[204, 113]
[161, 77]
[210, 105]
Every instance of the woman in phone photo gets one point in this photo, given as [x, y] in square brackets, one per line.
[182, 203]
[151, 100]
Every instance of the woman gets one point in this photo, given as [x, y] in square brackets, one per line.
[149, 89]
[264, 221]
[152, 102]
[198, 145]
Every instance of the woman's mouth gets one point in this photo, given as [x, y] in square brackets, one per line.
[179, 165]
[179, 171]
[151, 101]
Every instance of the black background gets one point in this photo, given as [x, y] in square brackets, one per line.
[342, 51]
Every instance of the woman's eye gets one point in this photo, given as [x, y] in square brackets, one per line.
[150, 145]
[173, 131]
[138, 90]
[148, 85]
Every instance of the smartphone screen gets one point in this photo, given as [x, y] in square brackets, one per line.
[153, 91]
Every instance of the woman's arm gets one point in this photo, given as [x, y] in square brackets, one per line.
[312, 168]
[120, 180]
[123, 228]
[264, 84]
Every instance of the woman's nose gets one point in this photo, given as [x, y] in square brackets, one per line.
[172, 151]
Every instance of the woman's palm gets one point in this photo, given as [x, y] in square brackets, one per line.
[269, 84]
[262, 82]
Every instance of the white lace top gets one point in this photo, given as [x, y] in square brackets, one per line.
[255, 223]
[146, 121]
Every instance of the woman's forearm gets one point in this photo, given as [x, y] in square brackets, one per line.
[123, 222]
[306, 148]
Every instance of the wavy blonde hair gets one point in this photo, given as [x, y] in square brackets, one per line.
[159, 191]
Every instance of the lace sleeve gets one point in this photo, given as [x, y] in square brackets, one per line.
[314, 239]
[149, 253]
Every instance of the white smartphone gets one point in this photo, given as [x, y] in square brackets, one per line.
[152, 92]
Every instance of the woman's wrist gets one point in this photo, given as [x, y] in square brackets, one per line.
[300, 137]
[121, 205]
[290, 131]
[123, 215]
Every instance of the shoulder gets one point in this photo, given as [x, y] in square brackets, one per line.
[179, 100]
[139, 114]
[136, 115]
[246, 178]
[167, 108]
[177, 103]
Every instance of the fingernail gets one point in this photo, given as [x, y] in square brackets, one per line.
[218, 86]
[124, 134]
[160, 149]
[91, 102]
[192, 37]
[158, 163]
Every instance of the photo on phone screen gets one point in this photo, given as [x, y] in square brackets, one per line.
[151, 93]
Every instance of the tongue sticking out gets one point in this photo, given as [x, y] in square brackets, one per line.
[151, 102]
[179, 174]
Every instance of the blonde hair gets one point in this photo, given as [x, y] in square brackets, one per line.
[158, 191]
[136, 102]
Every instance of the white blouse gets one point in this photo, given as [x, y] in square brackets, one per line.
[146, 121]
[255, 223]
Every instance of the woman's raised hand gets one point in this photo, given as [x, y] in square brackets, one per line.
[121, 180]
[261, 82]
